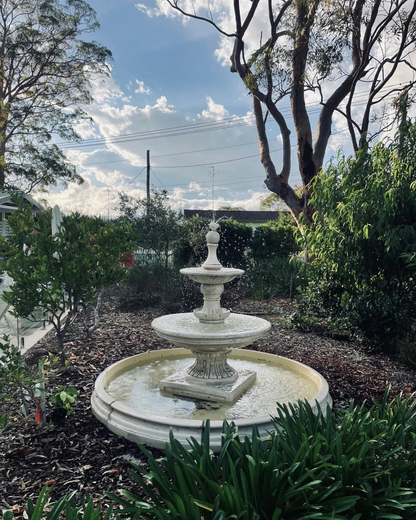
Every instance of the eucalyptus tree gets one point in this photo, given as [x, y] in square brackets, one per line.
[350, 52]
[45, 74]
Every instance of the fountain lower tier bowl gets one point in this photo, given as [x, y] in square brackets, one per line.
[128, 401]
[185, 330]
[210, 377]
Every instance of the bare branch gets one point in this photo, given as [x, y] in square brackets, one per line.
[175, 5]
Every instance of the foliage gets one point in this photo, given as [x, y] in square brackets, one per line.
[152, 285]
[64, 398]
[231, 208]
[364, 222]
[235, 240]
[360, 466]
[277, 238]
[277, 277]
[271, 203]
[17, 382]
[46, 69]
[61, 272]
[157, 224]
[70, 507]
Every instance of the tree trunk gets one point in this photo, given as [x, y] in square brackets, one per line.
[97, 308]
[61, 349]
[276, 183]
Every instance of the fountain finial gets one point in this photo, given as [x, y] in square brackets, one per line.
[213, 238]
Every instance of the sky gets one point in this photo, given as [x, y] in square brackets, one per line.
[171, 92]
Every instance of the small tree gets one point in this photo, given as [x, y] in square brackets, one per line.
[272, 203]
[157, 224]
[231, 208]
[61, 273]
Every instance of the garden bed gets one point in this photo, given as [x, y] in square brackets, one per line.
[81, 454]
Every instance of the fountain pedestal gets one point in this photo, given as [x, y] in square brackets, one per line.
[210, 377]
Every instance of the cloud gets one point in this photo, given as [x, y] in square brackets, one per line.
[214, 111]
[142, 89]
[182, 146]
[105, 88]
[85, 130]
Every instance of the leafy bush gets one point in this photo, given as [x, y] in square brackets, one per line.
[17, 381]
[361, 466]
[235, 241]
[64, 271]
[277, 238]
[357, 466]
[68, 507]
[157, 224]
[277, 277]
[152, 285]
[364, 224]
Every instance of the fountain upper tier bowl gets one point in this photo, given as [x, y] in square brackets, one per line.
[211, 277]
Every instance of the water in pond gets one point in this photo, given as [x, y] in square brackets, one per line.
[138, 388]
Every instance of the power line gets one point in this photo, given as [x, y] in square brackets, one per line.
[177, 153]
[122, 189]
[235, 159]
[160, 182]
[180, 130]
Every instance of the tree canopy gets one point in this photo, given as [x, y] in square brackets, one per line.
[350, 52]
[45, 73]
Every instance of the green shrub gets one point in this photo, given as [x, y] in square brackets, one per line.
[64, 272]
[152, 285]
[277, 238]
[277, 277]
[364, 225]
[158, 226]
[235, 241]
[69, 507]
[360, 466]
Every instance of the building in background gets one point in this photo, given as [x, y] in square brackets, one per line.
[253, 218]
[7, 206]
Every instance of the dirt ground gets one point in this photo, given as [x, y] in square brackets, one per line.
[81, 454]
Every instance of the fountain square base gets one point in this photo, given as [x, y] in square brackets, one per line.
[178, 385]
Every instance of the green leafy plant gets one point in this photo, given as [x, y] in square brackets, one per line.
[313, 466]
[158, 226]
[65, 272]
[232, 251]
[17, 381]
[277, 277]
[363, 227]
[275, 239]
[64, 398]
[70, 507]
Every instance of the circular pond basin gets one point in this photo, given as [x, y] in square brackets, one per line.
[127, 397]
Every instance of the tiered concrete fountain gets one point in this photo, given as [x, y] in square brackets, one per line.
[144, 396]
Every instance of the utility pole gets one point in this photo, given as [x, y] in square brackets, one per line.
[148, 180]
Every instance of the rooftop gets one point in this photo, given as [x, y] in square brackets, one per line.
[239, 216]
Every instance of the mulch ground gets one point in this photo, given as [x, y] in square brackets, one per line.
[81, 454]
